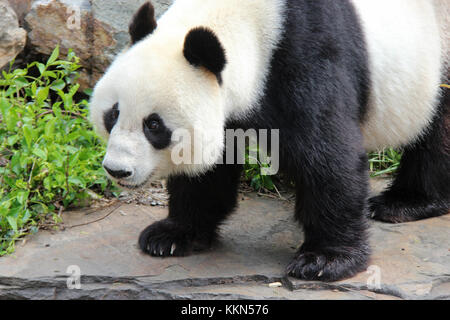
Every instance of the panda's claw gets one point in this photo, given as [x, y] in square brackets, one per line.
[327, 265]
[167, 238]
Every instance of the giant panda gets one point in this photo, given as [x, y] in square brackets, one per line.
[336, 78]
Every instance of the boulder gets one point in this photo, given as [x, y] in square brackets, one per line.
[96, 30]
[12, 37]
[21, 7]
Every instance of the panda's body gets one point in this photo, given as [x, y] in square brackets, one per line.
[337, 78]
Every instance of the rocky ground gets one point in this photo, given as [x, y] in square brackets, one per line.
[410, 261]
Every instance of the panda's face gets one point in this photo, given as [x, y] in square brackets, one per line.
[150, 96]
[160, 104]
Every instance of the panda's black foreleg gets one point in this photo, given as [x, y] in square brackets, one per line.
[421, 188]
[197, 206]
[331, 206]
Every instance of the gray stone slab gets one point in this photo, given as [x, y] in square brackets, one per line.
[256, 244]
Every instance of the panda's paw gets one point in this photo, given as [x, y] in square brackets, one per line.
[392, 209]
[383, 209]
[327, 265]
[166, 238]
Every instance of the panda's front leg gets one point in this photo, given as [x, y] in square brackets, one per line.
[332, 191]
[197, 206]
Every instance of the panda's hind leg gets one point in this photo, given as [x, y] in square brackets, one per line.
[421, 188]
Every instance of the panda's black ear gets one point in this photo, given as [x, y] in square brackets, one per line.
[202, 48]
[143, 23]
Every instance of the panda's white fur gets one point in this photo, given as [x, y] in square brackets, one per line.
[405, 53]
[442, 8]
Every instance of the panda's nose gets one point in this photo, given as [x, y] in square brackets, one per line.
[118, 174]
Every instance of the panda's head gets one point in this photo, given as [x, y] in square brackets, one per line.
[162, 90]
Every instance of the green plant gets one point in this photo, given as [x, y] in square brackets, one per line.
[384, 162]
[252, 171]
[50, 158]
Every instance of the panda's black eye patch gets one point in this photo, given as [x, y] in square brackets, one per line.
[110, 117]
[156, 132]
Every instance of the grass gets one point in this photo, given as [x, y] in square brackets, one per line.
[384, 162]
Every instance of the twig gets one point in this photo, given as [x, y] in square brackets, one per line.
[279, 194]
[31, 174]
[67, 177]
[100, 219]
[60, 211]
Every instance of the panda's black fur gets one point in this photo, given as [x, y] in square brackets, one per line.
[317, 95]
[202, 48]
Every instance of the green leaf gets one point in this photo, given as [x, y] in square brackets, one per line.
[40, 153]
[54, 56]
[12, 140]
[57, 110]
[50, 129]
[21, 82]
[42, 94]
[4, 107]
[26, 216]
[34, 88]
[12, 222]
[268, 183]
[41, 67]
[28, 134]
[256, 182]
[78, 181]
[22, 197]
[50, 74]
[58, 85]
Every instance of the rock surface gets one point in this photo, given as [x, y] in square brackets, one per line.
[12, 37]
[412, 260]
[96, 30]
[21, 7]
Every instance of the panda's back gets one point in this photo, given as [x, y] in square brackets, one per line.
[406, 63]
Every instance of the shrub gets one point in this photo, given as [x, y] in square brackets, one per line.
[252, 171]
[50, 158]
